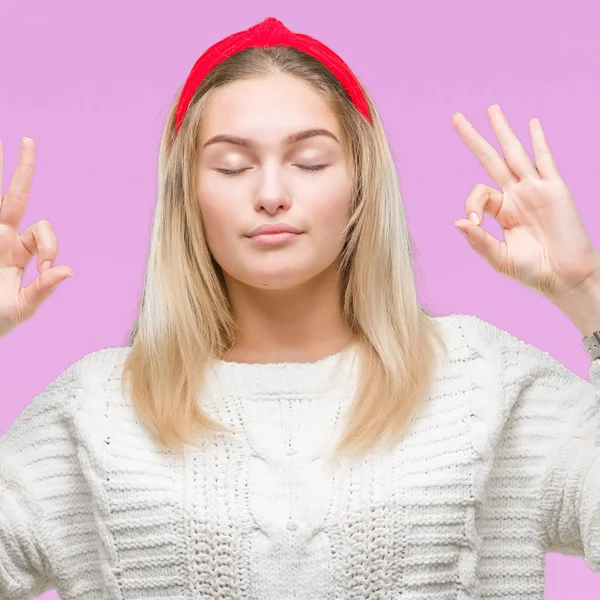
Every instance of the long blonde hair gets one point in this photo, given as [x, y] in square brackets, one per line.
[185, 319]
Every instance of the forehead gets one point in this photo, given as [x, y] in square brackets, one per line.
[270, 105]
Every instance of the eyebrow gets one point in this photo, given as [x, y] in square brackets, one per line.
[287, 141]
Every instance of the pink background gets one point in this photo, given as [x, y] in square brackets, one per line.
[91, 84]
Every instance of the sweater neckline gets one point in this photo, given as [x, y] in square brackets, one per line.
[270, 380]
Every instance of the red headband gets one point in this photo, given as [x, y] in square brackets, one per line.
[270, 32]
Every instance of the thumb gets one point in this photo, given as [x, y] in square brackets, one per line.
[43, 286]
[485, 244]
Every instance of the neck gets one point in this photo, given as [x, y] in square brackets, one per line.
[303, 323]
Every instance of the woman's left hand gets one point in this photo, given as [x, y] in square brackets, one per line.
[545, 247]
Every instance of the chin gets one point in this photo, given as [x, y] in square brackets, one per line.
[275, 282]
[278, 277]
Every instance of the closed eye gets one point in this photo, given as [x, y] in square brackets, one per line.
[304, 168]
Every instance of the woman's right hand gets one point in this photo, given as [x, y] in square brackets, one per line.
[17, 304]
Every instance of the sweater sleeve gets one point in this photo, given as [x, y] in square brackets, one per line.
[35, 468]
[556, 414]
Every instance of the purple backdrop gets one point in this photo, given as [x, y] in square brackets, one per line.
[91, 84]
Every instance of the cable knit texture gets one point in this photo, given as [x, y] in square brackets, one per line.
[501, 465]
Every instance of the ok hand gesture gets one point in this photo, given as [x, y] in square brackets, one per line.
[16, 249]
[546, 247]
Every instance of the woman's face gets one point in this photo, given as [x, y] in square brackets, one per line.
[275, 181]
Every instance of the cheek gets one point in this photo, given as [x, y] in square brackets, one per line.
[218, 217]
[330, 216]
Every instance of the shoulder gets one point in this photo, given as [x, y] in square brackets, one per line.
[99, 365]
[474, 329]
[489, 339]
[48, 421]
[56, 401]
[508, 385]
[508, 360]
[498, 361]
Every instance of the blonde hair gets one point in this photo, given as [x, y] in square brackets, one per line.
[185, 319]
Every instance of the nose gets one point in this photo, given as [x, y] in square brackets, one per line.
[272, 194]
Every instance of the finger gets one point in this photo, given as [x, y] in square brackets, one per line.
[15, 201]
[484, 152]
[515, 155]
[43, 286]
[1, 171]
[483, 198]
[486, 245]
[546, 164]
[40, 239]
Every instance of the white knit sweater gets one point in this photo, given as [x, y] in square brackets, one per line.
[501, 466]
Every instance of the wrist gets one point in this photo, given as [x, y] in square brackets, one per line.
[582, 305]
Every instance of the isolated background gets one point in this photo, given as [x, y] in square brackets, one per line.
[91, 84]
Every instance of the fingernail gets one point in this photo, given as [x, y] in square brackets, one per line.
[462, 230]
[475, 218]
[45, 266]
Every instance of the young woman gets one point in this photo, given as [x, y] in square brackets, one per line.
[286, 421]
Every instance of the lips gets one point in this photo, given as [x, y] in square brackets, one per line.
[274, 228]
